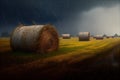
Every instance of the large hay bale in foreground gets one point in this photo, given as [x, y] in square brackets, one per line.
[36, 38]
[66, 36]
[84, 36]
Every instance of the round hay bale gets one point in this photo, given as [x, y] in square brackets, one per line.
[84, 36]
[66, 36]
[99, 37]
[36, 38]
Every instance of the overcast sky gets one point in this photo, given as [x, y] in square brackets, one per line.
[69, 16]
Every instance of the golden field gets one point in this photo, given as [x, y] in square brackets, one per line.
[71, 53]
[68, 49]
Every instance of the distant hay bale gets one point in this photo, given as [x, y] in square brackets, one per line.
[66, 36]
[99, 37]
[36, 38]
[107, 37]
[112, 37]
[84, 36]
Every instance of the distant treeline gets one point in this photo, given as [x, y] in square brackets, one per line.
[5, 34]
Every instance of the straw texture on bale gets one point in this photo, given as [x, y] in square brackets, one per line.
[84, 36]
[36, 38]
[66, 36]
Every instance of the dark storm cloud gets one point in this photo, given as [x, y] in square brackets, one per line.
[58, 12]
